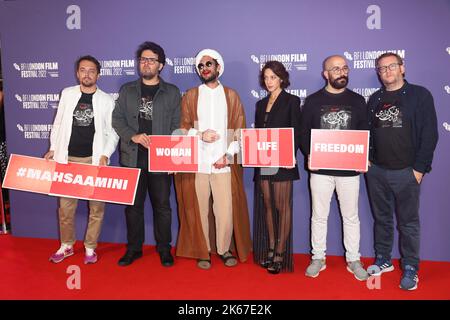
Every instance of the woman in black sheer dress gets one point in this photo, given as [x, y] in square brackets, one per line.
[272, 238]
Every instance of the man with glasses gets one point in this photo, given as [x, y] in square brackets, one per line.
[334, 107]
[215, 114]
[147, 106]
[82, 132]
[403, 126]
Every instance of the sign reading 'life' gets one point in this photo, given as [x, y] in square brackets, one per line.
[271, 147]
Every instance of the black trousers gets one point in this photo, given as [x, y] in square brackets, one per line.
[157, 185]
[389, 191]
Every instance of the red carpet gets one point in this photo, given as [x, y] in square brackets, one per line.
[25, 273]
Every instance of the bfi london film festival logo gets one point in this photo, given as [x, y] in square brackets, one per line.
[182, 65]
[291, 61]
[261, 94]
[37, 69]
[118, 67]
[38, 101]
[365, 59]
[365, 92]
[447, 89]
[35, 131]
[446, 126]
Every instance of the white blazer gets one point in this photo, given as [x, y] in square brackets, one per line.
[105, 137]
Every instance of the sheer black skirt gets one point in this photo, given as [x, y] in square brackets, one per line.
[272, 222]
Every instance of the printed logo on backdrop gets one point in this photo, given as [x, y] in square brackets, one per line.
[261, 94]
[291, 61]
[182, 65]
[446, 126]
[365, 59]
[35, 131]
[448, 50]
[47, 69]
[38, 101]
[365, 92]
[447, 89]
[118, 67]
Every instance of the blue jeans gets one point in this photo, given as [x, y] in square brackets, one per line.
[389, 191]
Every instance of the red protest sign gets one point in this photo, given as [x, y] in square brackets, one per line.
[339, 149]
[73, 180]
[175, 153]
[269, 147]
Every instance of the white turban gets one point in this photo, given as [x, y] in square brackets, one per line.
[213, 54]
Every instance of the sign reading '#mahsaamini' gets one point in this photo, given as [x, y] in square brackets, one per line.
[339, 149]
[175, 153]
[73, 180]
[269, 147]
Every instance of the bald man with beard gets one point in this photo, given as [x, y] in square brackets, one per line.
[334, 107]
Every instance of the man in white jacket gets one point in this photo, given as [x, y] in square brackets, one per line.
[82, 132]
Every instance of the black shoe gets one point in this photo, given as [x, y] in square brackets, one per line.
[276, 266]
[268, 262]
[166, 258]
[129, 257]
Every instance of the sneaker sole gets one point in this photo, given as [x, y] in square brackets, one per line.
[91, 262]
[317, 274]
[58, 261]
[411, 289]
[350, 270]
[389, 269]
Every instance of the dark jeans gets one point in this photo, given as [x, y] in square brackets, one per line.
[157, 185]
[389, 191]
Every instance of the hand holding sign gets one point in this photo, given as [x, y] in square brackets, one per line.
[49, 155]
[209, 136]
[141, 139]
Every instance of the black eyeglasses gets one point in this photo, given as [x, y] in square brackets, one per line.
[207, 64]
[147, 60]
[392, 67]
[337, 70]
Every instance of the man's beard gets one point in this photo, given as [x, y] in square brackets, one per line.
[148, 75]
[338, 83]
[212, 77]
[88, 83]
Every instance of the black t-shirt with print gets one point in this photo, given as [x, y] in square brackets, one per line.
[83, 128]
[392, 138]
[325, 110]
[146, 109]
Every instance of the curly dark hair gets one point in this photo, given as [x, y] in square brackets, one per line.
[277, 68]
[156, 48]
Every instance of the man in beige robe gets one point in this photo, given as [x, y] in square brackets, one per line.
[215, 114]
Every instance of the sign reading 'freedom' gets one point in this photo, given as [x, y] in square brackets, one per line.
[339, 149]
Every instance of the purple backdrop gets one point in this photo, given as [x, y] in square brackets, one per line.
[40, 40]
